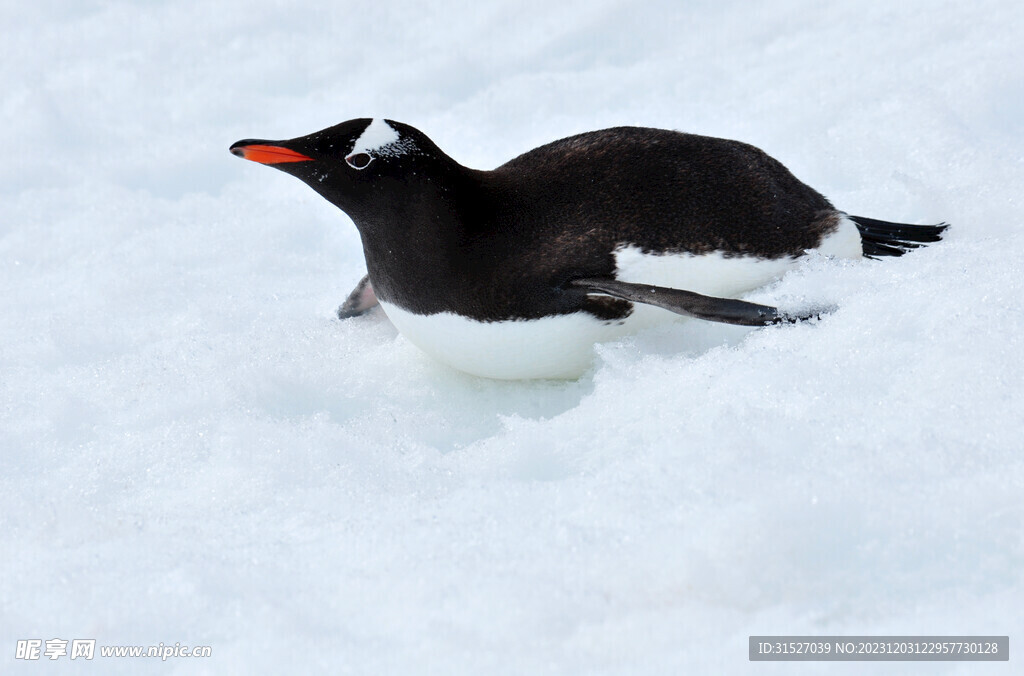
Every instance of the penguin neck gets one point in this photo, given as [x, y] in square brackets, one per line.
[413, 241]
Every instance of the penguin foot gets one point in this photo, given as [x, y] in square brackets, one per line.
[360, 301]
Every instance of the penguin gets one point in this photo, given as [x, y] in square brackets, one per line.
[517, 272]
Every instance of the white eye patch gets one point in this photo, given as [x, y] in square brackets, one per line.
[379, 139]
[377, 135]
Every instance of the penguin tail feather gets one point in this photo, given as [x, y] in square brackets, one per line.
[882, 238]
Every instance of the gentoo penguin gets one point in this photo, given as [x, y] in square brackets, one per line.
[518, 272]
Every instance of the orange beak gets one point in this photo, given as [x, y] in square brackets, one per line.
[265, 154]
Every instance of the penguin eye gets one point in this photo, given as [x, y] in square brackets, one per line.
[359, 160]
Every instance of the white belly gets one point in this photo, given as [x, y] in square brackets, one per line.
[552, 347]
[563, 346]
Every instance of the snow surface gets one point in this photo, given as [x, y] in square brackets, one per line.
[194, 450]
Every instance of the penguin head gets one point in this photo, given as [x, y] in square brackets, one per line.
[365, 167]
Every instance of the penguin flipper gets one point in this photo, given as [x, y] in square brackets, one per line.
[690, 304]
[360, 301]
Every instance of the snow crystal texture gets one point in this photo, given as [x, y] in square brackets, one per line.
[193, 449]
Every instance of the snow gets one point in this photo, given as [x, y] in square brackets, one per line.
[194, 450]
